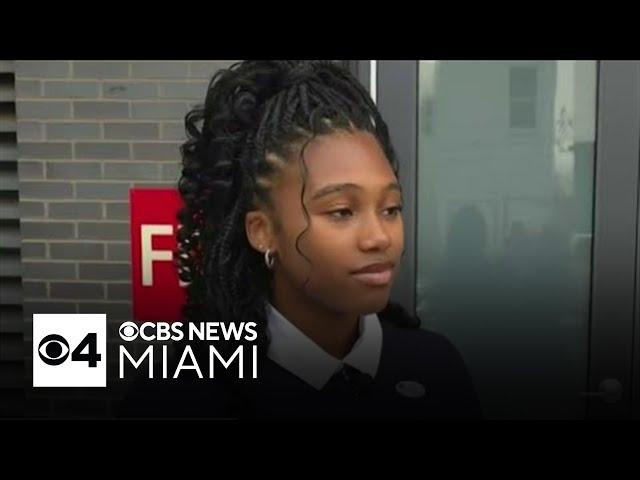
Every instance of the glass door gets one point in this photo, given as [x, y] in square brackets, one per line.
[522, 230]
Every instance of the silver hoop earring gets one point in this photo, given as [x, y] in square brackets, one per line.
[269, 259]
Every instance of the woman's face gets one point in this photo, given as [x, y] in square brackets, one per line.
[353, 200]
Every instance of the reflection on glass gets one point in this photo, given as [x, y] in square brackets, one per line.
[505, 176]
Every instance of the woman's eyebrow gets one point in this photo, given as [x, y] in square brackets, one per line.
[338, 187]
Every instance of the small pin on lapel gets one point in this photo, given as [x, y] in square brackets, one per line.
[411, 389]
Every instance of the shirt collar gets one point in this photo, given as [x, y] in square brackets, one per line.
[297, 353]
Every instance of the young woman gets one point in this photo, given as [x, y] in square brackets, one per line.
[293, 220]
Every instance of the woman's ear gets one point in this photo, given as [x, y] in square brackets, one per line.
[259, 229]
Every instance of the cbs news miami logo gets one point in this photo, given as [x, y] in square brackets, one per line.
[69, 350]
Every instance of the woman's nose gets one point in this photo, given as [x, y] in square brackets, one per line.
[374, 234]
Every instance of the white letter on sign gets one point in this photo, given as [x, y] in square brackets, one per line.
[149, 254]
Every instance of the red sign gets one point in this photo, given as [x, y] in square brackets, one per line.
[158, 293]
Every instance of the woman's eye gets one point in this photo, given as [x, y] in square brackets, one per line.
[341, 213]
[393, 211]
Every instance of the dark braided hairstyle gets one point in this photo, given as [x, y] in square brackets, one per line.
[256, 116]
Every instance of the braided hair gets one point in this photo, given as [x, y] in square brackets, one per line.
[256, 114]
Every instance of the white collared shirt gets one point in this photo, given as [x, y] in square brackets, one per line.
[297, 353]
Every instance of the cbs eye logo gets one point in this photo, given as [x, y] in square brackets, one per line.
[69, 350]
[128, 331]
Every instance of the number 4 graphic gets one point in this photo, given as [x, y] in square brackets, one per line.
[90, 342]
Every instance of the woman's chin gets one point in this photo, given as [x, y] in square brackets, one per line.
[373, 304]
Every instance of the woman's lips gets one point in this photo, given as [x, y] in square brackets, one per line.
[375, 275]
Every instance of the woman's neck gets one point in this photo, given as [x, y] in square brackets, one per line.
[334, 332]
